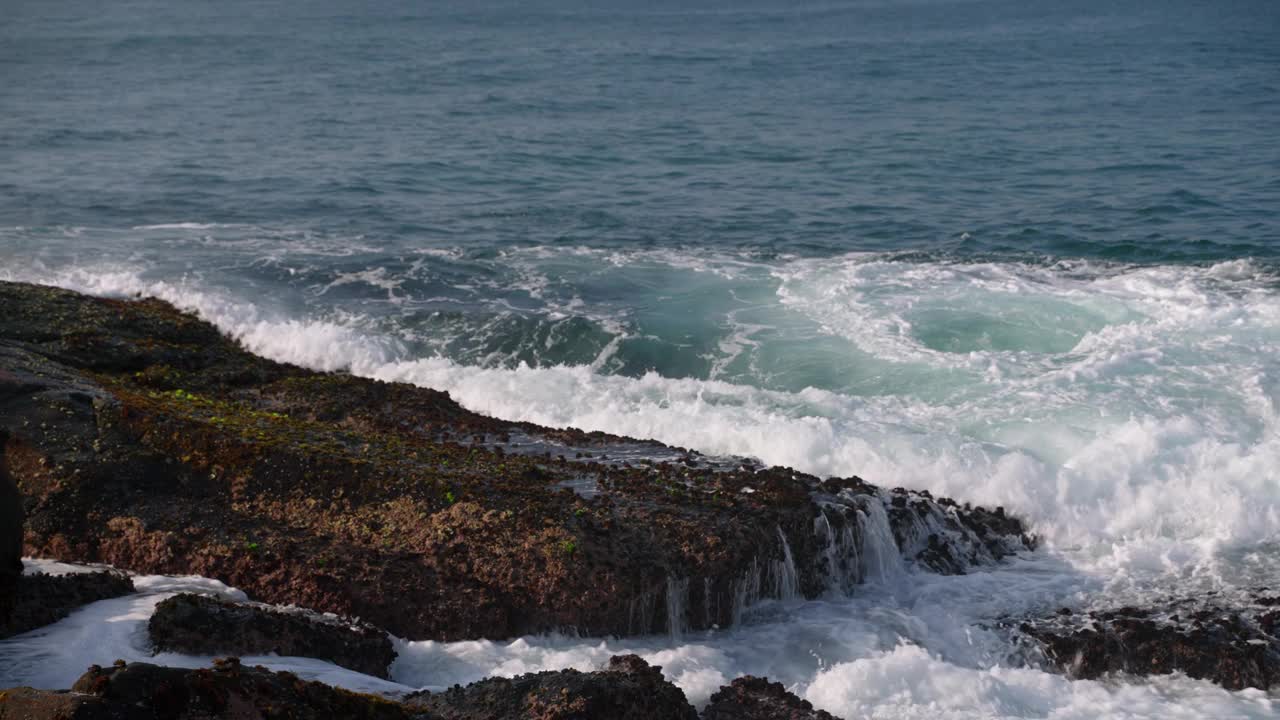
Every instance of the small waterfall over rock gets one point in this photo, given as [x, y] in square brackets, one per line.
[867, 534]
[707, 621]
[858, 534]
[640, 613]
[774, 579]
[786, 579]
[841, 548]
[677, 600]
[881, 558]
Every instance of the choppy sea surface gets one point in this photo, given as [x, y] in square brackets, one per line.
[1018, 253]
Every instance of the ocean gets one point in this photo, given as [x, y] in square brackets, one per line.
[1017, 253]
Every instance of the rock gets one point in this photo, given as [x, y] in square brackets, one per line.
[753, 698]
[630, 689]
[143, 438]
[39, 600]
[202, 625]
[1235, 647]
[228, 691]
[11, 517]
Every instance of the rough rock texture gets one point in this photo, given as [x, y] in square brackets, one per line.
[202, 625]
[630, 689]
[753, 698]
[11, 516]
[39, 600]
[142, 438]
[32, 601]
[1236, 647]
[147, 692]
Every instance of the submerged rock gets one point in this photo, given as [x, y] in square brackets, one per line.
[140, 691]
[38, 600]
[1235, 647]
[753, 698]
[203, 625]
[629, 689]
[143, 438]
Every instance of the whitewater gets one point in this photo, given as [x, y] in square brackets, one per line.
[1127, 411]
[1022, 253]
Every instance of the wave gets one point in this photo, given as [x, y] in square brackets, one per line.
[1129, 412]
[187, 226]
[1148, 435]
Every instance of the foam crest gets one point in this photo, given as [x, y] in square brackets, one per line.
[909, 682]
[1139, 436]
[1126, 439]
[317, 344]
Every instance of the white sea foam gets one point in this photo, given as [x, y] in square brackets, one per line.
[186, 226]
[1128, 413]
[56, 655]
[1124, 439]
[906, 649]
[909, 682]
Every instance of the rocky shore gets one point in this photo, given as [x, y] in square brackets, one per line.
[142, 438]
[628, 689]
[135, 435]
[1232, 642]
[202, 625]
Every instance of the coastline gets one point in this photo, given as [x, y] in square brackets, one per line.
[143, 438]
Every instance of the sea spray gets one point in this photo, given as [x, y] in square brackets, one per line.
[1108, 449]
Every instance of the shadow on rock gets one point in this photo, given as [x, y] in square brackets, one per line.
[202, 625]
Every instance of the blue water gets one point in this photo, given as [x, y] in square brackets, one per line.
[1142, 132]
[1021, 253]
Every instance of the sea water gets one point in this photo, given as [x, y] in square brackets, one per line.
[1016, 253]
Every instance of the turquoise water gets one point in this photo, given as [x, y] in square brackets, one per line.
[286, 146]
[1020, 253]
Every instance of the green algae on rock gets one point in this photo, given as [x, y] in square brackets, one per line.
[143, 438]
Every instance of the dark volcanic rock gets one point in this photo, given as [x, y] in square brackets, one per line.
[202, 625]
[39, 600]
[753, 698]
[11, 516]
[1233, 647]
[142, 438]
[228, 691]
[630, 689]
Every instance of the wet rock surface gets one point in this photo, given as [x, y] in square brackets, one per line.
[1236, 646]
[34, 601]
[228, 690]
[142, 438]
[753, 698]
[202, 625]
[11, 517]
[629, 689]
